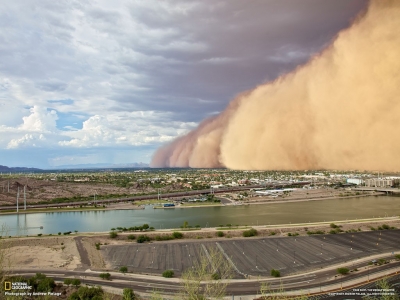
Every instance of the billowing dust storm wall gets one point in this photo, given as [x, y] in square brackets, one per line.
[339, 111]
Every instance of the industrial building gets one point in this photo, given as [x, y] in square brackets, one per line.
[357, 181]
[382, 182]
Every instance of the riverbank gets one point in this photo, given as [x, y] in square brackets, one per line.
[298, 195]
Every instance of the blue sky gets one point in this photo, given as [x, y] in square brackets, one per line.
[110, 81]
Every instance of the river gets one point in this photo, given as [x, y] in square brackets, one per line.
[261, 214]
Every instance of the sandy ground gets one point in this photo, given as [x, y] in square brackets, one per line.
[46, 190]
[44, 252]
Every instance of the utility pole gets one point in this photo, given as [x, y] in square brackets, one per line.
[24, 197]
[17, 199]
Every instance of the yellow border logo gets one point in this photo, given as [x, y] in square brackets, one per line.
[7, 285]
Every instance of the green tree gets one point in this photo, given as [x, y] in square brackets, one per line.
[68, 281]
[185, 224]
[343, 271]
[113, 234]
[250, 232]
[76, 282]
[177, 235]
[46, 285]
[142, 238]
[275, 273]
[128, 294]
[168, 274]
[92, 293]
[105, 276]
[123, 269]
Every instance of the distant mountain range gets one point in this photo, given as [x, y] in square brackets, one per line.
[5, 169]
[103, 166]
[17, 169]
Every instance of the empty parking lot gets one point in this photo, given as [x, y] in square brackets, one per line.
[255, 256]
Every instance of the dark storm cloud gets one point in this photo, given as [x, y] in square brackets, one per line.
[211, 51]
[178, 61]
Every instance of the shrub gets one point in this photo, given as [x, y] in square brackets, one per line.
[275, 273]
[385, 226]
[105, 276]
[317, 232]
[98, 246]
[343, 271]
[68, 281]
[250, 232]
[333, 225]
[272, 233]
[163, 237]
[85, 292]
[381, 261]
[168, 274]
[128, 294]
[131, 237]
[220, 233]
[143, 238]
[216, 276]
[123, 269]
[59, 233]
[113, 234]
[39, 234]
[397, 256]
[177, 235]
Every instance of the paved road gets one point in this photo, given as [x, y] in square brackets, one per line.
[147, 284]
[85, 261]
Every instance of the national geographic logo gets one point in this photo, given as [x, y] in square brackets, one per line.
[7, 286]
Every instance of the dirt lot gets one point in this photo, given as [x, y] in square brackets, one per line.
[42, 190]
[44, 252]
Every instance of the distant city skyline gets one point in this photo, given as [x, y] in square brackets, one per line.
[95, 82]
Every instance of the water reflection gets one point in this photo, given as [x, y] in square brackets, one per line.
[284, 213]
